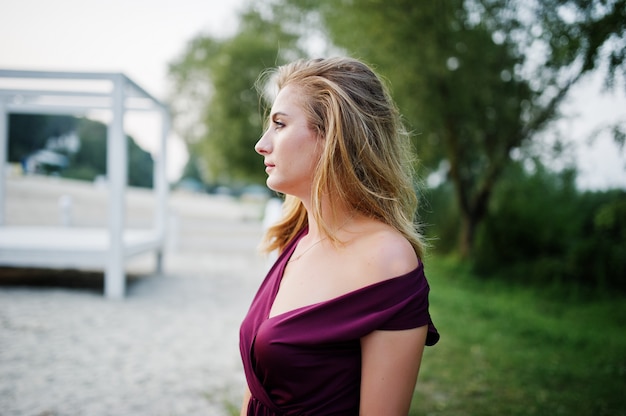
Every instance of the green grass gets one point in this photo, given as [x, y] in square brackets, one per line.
[508, 350]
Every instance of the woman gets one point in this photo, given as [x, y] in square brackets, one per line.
[339, 325]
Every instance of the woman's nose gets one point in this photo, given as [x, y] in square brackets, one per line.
[263, 146]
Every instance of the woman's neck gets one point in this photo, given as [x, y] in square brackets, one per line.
[336, 220]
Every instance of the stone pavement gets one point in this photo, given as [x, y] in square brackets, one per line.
[169, 348]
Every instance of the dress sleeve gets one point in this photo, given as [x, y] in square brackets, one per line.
[395, 304]
[406, 304]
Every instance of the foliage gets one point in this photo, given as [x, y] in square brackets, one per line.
[474, 78]
[140, 165]
[588, 33]
[509, 350]
[541, 230]
[214, 88]
[28, 133]
[439, 214]
[90, 161]
[192, 168]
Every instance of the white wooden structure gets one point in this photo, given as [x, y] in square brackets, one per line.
[77, 93]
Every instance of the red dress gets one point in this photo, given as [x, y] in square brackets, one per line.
[308, 361]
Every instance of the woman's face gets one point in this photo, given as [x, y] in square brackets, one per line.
[290, 147]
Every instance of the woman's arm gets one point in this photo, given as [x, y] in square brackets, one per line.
[390, 363]
[244, 405]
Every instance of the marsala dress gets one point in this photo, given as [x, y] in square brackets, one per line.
[308, 361]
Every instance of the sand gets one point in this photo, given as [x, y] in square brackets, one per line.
[169, 348]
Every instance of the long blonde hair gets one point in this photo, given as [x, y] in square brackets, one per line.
[366, 161]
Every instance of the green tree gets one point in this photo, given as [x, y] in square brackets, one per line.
[541, 230]
[140, 165]
[588, 33]
[215, 101]
[30, 132]
[192, 169]
[91, 159]
[474, 79]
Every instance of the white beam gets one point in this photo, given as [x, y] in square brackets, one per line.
[161, 187]
[55, 109]
[117, 166]
[4, 156]
[81, 76]
[56, 93]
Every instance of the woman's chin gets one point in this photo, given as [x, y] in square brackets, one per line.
[272, 185]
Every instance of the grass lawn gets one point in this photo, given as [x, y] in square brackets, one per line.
[507, 350]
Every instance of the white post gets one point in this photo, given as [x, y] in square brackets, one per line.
[161, 188]
[117, 168]
[4, 146]
[65, 210]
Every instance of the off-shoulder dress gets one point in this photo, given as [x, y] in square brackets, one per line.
[308, 361]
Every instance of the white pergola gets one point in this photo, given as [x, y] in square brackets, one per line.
[77, 93]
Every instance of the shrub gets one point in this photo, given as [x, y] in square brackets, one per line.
[542, 230]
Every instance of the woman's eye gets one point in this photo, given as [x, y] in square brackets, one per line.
[278, 124]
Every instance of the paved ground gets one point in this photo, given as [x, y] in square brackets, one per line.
[169, 348]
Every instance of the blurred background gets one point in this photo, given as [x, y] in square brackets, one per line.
[518, 115]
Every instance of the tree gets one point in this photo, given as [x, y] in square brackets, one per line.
[588, 34]
[31, 132]
[91, 159]
[215, 101]
[474, 79]
[585, 36]
[580, 244]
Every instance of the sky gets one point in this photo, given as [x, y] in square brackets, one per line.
[601, 163]
[140, 38]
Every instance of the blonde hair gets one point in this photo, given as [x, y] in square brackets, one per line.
[366, 161]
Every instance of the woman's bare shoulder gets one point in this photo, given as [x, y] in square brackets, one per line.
[384, 253]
